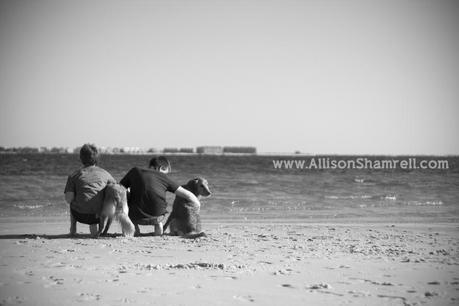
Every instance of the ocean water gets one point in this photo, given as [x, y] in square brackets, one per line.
[249, 187]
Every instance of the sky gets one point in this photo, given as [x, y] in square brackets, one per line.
[324, 77]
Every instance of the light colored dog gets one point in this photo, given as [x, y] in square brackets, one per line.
[184, 220]
[115, 207]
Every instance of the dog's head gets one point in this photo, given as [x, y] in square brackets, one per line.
[116, 195]
[199, 186]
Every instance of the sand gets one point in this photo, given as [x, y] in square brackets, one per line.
[238, 263]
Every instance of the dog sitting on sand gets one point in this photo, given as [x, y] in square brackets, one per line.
[115, 207]
[184, 220]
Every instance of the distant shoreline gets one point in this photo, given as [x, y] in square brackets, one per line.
[242, 154]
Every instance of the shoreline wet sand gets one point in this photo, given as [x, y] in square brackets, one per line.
[262, 262]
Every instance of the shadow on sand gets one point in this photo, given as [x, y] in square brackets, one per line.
[60, 236]
[89, 236]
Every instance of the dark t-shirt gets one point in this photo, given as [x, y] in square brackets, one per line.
[148, 192]
[87, 184]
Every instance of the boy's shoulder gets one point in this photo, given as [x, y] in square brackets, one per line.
[75, 173]
[103, 172]
[90, 171]
[99, 169]
[135, 170]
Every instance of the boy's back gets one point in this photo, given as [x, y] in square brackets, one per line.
[148, 192]
[87, 184]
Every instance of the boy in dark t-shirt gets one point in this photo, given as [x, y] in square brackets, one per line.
[148, 187]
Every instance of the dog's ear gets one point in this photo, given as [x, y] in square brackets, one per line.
[192, 186]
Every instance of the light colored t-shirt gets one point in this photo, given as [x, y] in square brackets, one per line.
[88, 184]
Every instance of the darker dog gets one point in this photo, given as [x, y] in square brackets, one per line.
[115, 206]
[184, 219]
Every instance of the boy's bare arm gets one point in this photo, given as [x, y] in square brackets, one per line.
[69, 196]
[189, 196]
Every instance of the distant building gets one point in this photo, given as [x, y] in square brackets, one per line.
[209, 150]
[60, 150]
[240, 150]
[106, 150]
[132, 150]
[186, 150]
[28, 150]
[170, 150]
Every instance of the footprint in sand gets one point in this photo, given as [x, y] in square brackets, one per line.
[430, 294]
[145, 290]
[247, 298]
[283, 272]
[231, 277]
[54, 281]
[393, 297]
[85, 297]
[112, 280]
[359, 293]
[22, 283]
[126, 300]
[319, 286]
[433, 283]
[59, 265]
[12, 300]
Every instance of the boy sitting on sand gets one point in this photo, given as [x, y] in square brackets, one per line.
[84, 190]
[148, 187]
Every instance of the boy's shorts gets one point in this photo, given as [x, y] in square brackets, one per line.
[85, 218]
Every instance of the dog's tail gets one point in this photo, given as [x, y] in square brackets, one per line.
[126, 225]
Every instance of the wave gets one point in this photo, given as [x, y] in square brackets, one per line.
[424, 203]
[30, 206]
[389, 197]
[364, 181]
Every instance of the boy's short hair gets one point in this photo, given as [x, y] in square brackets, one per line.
[89, 155]
[160, 162]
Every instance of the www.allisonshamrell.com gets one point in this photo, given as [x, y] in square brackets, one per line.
[360, 163]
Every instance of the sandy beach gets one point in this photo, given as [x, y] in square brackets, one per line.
[240, 263]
